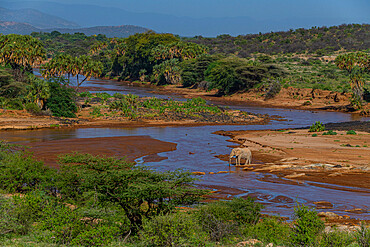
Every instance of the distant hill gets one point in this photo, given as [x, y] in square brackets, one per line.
[109, 31]
[319, 40]
[35, 18]
[88, 15]
[8, 27]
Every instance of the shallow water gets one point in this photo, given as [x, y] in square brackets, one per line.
[278, 196]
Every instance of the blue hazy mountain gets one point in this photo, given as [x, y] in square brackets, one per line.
[35, 18]
[90, 15]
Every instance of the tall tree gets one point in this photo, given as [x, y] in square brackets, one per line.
[21, 52]
[356, 64]
[66, 65]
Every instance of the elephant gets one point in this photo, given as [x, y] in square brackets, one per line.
[241, 153]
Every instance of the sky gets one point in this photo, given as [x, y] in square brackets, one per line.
[257, 9]
[205, 17]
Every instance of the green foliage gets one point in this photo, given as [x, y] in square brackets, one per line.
[232, 74]
[314, 135]
[33, 108]
[330, 132]
[273, 90]
[20, 52]
[317, 127]
[134, 53]
[176, 229]
[351, 132]
[17, 214]
[98, 236]
[193, 69]
[270, 230]
[300, 41]
[20, 173]
[336, 239]
[96, 111]
[222, 218]
[65, 64]
[62, 100]
[307, 226]
[139, 192]
[363, 235]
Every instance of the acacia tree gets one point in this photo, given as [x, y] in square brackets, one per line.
[20, 52]
[356, 64]
[65, 64]
[139, 192]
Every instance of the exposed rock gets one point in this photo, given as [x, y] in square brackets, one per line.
[289, 159]
[357, 211]
[211, 173]
[248, 243]
[329, 215]
[295, 175]
[323, 205]
[198, 173]
[222, 172]
[335, 174]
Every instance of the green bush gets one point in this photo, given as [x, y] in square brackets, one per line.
[351, 132]
[362, 235]
[330, 132]
[336, 239]
[97, 236]
[222, 218]
[33, 108]
[62, 100]
[306, 227]
[20, 172]
[273, 90]
[270, 230]
[317, 127]
[176, 229]
[18, 213]
[14, 104]
[314, 135]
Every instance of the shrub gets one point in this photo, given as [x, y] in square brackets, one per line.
[351, 132]
[330, 132]
[222, 218]
[19, 172]
[317, 127]
[177, 229]
[14, 104]
[18, 214]
[306, 227]
[314, 135]
[273, 90]
[97, 236]
[33, 108]
[270, 230]
[62, 100]
[362, 235]
[336, 239]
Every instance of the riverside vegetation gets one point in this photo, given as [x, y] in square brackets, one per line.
[105, 201]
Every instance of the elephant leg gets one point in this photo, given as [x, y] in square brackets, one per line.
[239, 158]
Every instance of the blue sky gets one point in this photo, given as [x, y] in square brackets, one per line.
[205, 17]
[257, 9]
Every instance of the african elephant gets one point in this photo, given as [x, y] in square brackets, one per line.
[239, 153]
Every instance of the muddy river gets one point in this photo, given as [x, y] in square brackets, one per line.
[197, 147]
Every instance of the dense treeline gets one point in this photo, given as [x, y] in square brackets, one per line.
[319, 40]
[76, 44]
